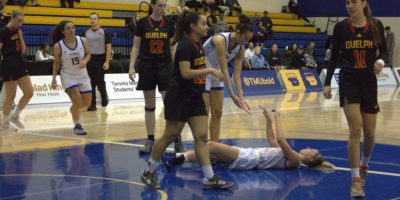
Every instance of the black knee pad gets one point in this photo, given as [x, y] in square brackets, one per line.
[149, 109]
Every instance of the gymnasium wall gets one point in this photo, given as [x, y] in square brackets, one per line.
[385, 10]
[249, 5]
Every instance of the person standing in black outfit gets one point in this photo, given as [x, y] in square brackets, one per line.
[184, 101]
[153, 52]
[359, 48]
[100, 48]
[70, 3]
[14, 71]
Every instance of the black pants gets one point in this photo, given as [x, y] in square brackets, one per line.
[70, 3]
[297, 11]
[96, 74]
[194, 4]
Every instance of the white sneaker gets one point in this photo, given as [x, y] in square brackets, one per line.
[8, 127]
[17, 122]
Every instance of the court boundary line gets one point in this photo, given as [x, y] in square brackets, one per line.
[141, 145]
[90, 140]
[164, 195]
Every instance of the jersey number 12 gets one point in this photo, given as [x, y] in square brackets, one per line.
[156, 46]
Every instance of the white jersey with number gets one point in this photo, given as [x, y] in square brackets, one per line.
[71, 74]
[211, 52]
[71, 57]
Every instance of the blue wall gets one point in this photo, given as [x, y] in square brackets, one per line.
[326, 8]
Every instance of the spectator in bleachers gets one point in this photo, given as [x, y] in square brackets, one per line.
[260, 33]
[267, 23]
[196, 4]
[390, 42]
[70, 3]
[328, 54]
[181, 7]
[43, 53]
[234, 6]
[298, 58]
[287, 58]
[21, 2]
[258, 61]
[294, 8]
[273, 57]
[309, 57]
[222, 6]
[248, 54]
[214, 22]
[293, 47]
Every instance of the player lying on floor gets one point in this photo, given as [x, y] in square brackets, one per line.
[278, 156]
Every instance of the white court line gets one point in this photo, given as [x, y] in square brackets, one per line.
[372, 162]
[371, 172]
[90, 140]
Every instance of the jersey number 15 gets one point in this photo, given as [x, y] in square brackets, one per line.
[75, 61]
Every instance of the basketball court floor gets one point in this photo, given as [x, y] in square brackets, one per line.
[46, 161]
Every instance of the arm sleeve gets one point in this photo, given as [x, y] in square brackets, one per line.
[384, 55]
[107, 36]
[139, 28]
[335, 54]
[183, 51]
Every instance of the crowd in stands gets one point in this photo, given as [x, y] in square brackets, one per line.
[256, 57]
[294, 57]
[222, 6]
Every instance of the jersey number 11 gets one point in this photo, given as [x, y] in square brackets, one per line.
[359, 57]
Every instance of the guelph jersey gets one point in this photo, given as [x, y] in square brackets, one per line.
[155, 37]
[354, 48]
[211, 53]
[189, 50]
[71, 57]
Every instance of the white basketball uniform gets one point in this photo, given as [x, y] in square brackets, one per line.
[212, 82]
[70, 73]
[259, 158]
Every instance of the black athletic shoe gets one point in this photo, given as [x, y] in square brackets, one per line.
[150, 179]
[92, 108]
[216, 183]
[104, 102]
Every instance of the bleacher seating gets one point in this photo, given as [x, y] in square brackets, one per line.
[40, 21]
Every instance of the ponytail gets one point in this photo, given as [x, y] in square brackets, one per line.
[374, 25]
[183, 25]
[57, 34]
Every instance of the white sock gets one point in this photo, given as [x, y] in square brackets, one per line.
[355, 172]
[365, 160]
[76, 122]
[6, 119]
[17, 111]
[152, 165]
[207, 171]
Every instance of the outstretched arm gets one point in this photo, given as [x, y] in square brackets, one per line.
[269, 129]
[292, 155]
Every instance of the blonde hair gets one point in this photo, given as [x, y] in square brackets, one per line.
[16, 13]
